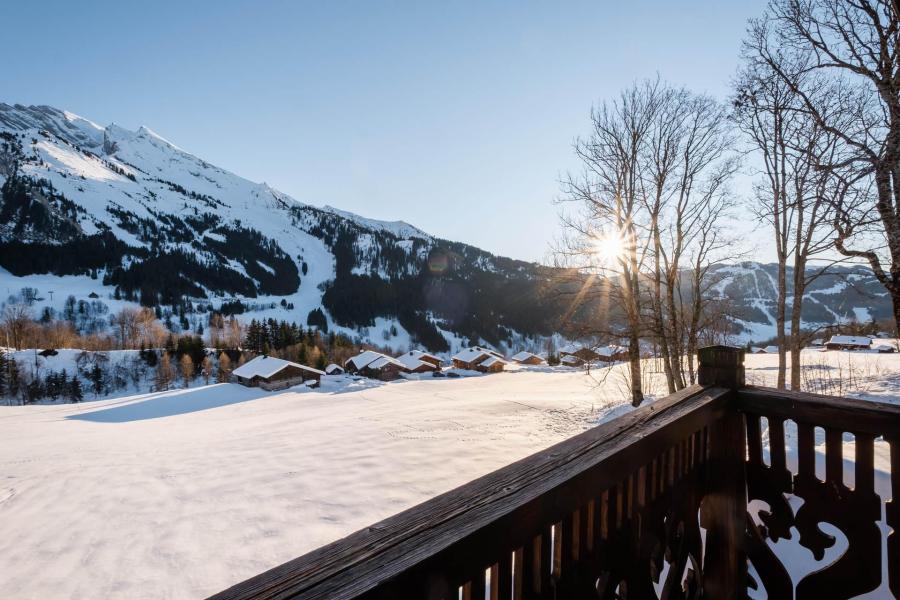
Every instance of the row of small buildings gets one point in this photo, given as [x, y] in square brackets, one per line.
[272, 373]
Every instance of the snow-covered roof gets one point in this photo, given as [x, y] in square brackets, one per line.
[266, 366]
[332, 368]
[569, 359]
[411, 360]
[524, 355]
[817, 342]
[610, 350]
[850, 340]
[472, 354]
[383, 361]
[363, 359]
[492, 360]
[771, 349]
[756, 350]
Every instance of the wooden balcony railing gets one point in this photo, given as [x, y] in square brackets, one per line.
[653, 504]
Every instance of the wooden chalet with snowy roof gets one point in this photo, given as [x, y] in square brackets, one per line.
[849, 342]
[375, 365]
[527, 358]
[479, 359]
[270, 373]
[417, 361]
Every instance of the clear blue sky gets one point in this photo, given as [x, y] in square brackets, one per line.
[457, 117]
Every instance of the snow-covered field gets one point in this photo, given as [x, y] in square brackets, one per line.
[180, 494]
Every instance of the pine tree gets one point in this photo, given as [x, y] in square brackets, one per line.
[96, 377]
[74, 392]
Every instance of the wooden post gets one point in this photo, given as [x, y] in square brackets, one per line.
[725, 505]
[722, 366]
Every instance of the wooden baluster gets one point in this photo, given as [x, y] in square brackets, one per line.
[518, 579]
[834, 457]
[604, 515]
[466, 591]
[806, 453]
[501, 578]
[531, 569]
[546, 567]
[754, 440]
[476, 586]
[591, 528]
[777, 454]
[893, 519]
[864, 475]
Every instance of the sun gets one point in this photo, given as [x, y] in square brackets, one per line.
[609, 247]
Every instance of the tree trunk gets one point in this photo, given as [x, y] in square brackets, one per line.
[780, 311]
[796, 310]
[634, 359]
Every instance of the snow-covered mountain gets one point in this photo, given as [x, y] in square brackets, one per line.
[127, 216]
[843, 294]
[131, 217]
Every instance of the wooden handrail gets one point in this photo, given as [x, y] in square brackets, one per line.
[849, 414]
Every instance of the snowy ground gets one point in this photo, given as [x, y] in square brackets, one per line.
[180, 494]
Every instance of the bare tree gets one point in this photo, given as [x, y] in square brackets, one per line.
[847, 79]
[607, 233]
[16, 319]
[651, 201]
[224, 370]
[163, 372]
[206, 369]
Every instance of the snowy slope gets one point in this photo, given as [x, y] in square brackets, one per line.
[159, 225]
[180, 494]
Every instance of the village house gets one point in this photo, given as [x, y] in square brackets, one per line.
[479, 359]
[527, 358]
[375, 365]
[334, 369]
[848, 342]
[611, 353]
[270, 373]
[417, 361]
[582, 353]
[570, 360]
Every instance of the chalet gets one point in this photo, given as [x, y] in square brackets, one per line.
[584, 353]
[479, 359]
[817, 343]
[771, 349]
[527, 358]
[412, 363]
[424, 357]
[611, 353]
[848, 342]
[884, 349]
[570, 360]
[757, 350]
[334, 369]
[272, 373]
[376, 365]
[492, 364]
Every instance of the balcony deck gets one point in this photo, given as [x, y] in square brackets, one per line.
[622, 510]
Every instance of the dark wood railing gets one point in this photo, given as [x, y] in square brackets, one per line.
[620, 511]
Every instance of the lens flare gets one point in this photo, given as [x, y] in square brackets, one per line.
[609, 247]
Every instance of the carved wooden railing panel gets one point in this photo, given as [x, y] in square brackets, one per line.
[854, 510]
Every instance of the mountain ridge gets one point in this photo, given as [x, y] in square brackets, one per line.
[151, 223]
